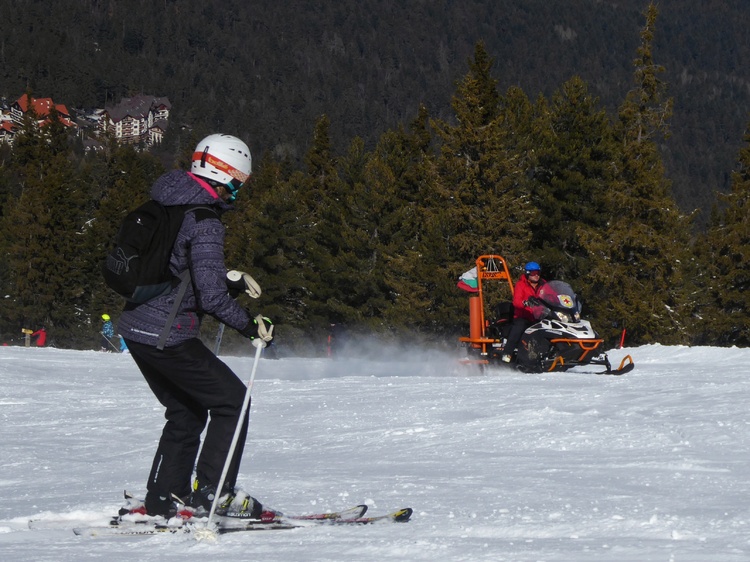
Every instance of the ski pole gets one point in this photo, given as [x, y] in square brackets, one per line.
[219, 335]
[237, 430]
[110, 342]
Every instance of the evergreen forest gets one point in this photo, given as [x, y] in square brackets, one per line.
[373, 233]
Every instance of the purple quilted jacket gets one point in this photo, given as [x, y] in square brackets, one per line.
[200, 244]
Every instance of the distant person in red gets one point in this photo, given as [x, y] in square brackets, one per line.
[524, 314]
[41, 337]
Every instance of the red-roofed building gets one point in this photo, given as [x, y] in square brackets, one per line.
[42, 108]
[7, 131]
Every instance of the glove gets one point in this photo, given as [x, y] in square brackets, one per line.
[238, 281]
[259, 330]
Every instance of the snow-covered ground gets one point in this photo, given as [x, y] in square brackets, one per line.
[652, 465]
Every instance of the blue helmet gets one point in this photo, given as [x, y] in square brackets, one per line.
[532, 266]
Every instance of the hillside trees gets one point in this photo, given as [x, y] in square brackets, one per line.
[726, 251]
[290, 233]
[640, 255]
[42, 233]
[398, 179]
[375, 239]
[282, 64]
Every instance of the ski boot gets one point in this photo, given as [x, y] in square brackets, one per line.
[234, 502]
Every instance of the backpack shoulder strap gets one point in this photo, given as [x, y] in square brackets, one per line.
[184, 282]
[203, 213]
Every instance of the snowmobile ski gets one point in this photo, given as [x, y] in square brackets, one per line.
[622, 369]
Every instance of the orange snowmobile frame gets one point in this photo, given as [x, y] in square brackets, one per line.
[587, 346]
[491, 267]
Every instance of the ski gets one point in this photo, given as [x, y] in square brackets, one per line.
[352, 513]
[234, 525]
[399, 516]
[149, 528]
[267, 515]
[129, 519]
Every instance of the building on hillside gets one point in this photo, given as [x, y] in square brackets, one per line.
[42, 108]
[140, 119]
[7, 131]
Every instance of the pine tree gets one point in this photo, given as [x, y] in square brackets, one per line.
[636, 279]
[573, 167]
[360, 298]
[480, 205]
[322, 192]
[727, 268]
[399, 176]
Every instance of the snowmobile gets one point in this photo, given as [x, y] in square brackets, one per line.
[558, 341]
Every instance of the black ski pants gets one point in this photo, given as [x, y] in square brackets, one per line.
[517, 328]
[191, 383]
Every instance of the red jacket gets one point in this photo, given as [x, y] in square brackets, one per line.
[41, 337]
[522, 291]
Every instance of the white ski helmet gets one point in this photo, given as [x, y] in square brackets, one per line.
[223, 159]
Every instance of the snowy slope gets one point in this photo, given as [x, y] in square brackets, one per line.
[652, 465]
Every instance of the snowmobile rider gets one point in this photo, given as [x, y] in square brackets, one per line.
[524, 314]
[184, 375]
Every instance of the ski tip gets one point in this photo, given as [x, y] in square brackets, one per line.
[402, 515]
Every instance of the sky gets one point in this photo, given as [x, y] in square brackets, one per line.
[497, 465]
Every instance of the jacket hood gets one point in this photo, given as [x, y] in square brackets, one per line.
[181, 188]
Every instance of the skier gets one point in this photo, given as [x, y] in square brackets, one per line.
[184, 375]
[528, 285]
[107, 332]
[41, 337]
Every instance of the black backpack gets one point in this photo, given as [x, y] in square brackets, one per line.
[137, 266]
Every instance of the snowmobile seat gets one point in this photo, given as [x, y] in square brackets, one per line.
[504, 312]
[503, 317]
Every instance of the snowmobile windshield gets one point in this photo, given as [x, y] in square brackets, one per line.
[559, 296]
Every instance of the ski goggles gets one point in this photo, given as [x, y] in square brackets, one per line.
[533, 272]
[233, 187]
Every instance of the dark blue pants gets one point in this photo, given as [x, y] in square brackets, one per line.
[191, 383]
